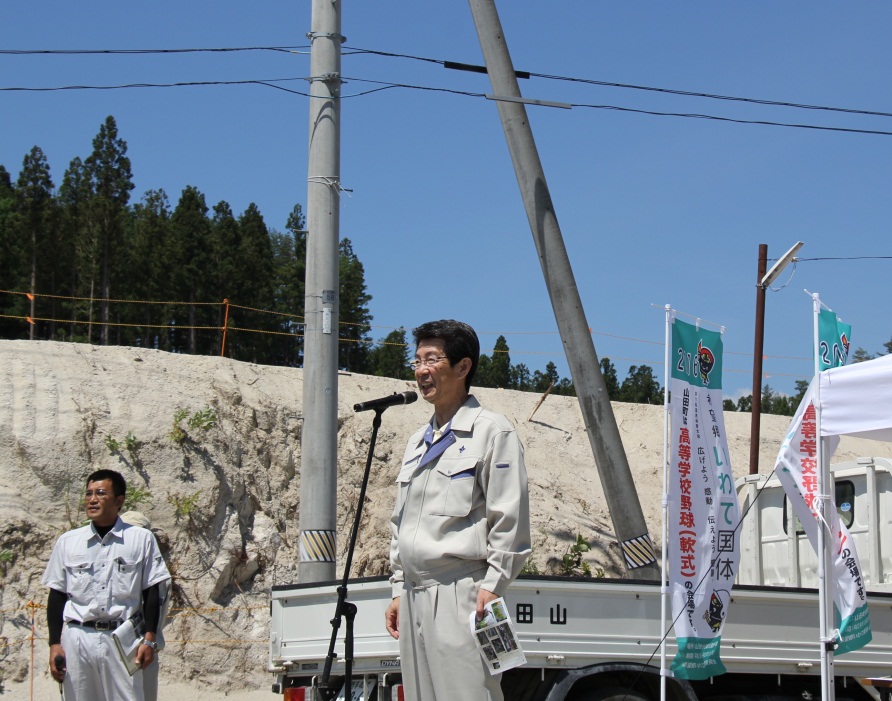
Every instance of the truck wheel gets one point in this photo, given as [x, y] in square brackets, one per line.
[612, 693]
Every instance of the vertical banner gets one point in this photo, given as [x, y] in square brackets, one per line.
[797, 469]
[703, 512]
[835, 338]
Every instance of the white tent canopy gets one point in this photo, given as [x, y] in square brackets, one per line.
[856, 400]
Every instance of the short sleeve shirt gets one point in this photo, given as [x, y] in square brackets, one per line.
[105, 577]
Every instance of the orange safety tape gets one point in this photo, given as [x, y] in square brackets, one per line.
[102, 299]
[341, 323]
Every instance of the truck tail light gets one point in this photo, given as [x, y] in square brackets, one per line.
[298, 693]
[400, 696]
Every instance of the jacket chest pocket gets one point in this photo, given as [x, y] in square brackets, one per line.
[124, 575]
[403, 481]
[455, 483]
[78, 578]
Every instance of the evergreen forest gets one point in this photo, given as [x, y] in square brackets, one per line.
[82, 261]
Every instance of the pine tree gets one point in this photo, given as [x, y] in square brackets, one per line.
[290, 262]
[75, 197]
[187, 259]
[354, 344]
[500, 369]
[224, 250]
[390, 358]
[640, 387]
[254, 287]
[111, 182]
[543, 380]
[11, 257]
[520, 378]
[148, 275]
[34, 206]
[608, 371]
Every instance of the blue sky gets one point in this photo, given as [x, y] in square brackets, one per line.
[654, 209]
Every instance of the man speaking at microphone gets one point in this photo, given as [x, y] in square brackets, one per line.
[461, 525]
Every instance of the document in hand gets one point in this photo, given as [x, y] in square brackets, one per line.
[127, 640]
[495, 638]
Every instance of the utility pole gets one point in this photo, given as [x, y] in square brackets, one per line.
[600, 422]
[759, 340]
[763, 280]
[318, 462]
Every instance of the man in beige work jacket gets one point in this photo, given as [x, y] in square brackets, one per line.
[461, 525]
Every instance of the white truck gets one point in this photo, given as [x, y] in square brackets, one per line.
[599, 639]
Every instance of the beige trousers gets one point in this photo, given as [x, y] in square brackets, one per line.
[439, 659]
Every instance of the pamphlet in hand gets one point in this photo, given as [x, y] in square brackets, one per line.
[495, 638]
[127, 640]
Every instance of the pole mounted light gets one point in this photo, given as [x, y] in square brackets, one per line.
[782, 263]
[763, 280]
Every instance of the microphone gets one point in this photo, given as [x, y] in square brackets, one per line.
[384, 402]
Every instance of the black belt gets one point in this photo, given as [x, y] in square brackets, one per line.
[98, 625]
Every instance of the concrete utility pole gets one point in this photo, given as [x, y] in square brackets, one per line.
[600, 423]
[318, 463]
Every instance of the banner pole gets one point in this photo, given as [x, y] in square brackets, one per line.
[664, 590]
[825, 568]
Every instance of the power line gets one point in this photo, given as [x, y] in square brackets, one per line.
[384, 85]
[630, 86]
[809, 260]
[267, 82]
[354, 51]
[94, 52]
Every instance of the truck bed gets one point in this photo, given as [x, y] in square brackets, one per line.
[565, 623]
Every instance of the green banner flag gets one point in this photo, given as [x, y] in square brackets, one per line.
[834, 338]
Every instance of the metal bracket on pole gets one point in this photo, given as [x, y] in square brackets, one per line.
[312, 36]
[333, 183]
[325, 78]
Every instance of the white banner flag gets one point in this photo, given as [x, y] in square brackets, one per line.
[703, 512]
[797, 469]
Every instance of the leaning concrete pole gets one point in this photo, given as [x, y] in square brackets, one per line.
[318, 462]
[600, 423]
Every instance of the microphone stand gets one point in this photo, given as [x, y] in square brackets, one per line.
[345, 609]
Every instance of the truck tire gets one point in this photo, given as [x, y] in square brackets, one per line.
[611, 693]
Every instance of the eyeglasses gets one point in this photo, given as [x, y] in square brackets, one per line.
[101, 493]
[426, 363]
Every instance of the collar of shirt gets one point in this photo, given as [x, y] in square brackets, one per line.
[117, 531]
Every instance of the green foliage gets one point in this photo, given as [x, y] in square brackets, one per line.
[7, 557]
[641, 387]
[608, 372]
[109, 175]
[860, 355]
[185, 506]
[180, 414]
[135, 498]
[203, 420]
[530, 566]
[354, 345]
[390, 357]
[572, 564]
[131, 443]
[177, 434]
[772, 402]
